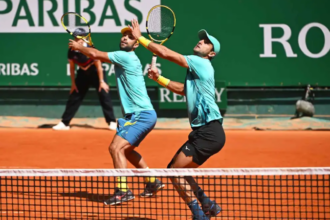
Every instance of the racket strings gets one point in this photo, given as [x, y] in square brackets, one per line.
[161, 23]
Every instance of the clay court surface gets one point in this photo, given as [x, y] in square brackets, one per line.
[38, 148]
[87, 148]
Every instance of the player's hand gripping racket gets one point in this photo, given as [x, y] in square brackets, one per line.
[160, 26]
[71, 21]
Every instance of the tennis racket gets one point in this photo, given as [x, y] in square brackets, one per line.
[160, 26]
[71, 21]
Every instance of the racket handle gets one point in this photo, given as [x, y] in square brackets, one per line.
[153, 62]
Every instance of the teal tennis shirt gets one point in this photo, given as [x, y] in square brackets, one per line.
[200, 92]
[130, 82]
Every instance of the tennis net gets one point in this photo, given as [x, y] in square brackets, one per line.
[242, 193]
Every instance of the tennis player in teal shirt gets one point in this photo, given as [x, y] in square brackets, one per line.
[207, 137]
[140, 116]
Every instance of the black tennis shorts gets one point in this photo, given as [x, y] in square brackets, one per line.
[204, 141]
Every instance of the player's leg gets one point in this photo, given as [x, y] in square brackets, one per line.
[153, 185]
[74, 101]
[140, 127]
[130, 132]
[121, 150]
[181, 160]
[203, 143]
[106, 102]
[136, 159]
[117, 150]
[185, 190]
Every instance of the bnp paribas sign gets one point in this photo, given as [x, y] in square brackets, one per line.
[43, 16]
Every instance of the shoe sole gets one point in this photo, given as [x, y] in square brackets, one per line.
[61, 129]
[153, 194]
[116, 203]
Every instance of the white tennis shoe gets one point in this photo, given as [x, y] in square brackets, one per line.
[113, 126]
[61, 127]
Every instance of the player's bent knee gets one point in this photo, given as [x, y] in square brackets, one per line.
[114, 149]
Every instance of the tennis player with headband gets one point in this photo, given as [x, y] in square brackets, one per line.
[140, 116]
[207, 137]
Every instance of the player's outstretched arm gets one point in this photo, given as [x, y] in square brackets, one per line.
[90, 52]
[157, 49]
[175, 87]
[166, 53]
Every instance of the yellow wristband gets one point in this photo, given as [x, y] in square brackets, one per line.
[163, 81]
[144, 41]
